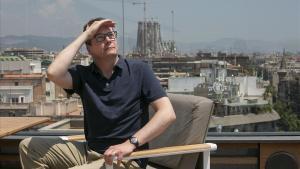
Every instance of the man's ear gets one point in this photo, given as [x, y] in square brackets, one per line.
[88, 48]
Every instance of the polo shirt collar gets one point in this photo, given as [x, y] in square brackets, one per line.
[120, 65]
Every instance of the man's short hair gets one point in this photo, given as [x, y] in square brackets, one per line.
[89, 23]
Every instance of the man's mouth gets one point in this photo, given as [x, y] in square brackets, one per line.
[110, 47]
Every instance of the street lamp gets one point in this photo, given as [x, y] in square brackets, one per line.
[123, 29]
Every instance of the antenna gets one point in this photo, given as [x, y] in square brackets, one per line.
[173, 41]
[172, 25]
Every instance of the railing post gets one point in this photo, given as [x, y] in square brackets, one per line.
[206, 160]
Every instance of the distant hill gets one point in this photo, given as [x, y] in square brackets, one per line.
[225, 44]
[48, 43]
[240, 45]
[43, 42]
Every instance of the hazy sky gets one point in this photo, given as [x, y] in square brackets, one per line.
[194, 20]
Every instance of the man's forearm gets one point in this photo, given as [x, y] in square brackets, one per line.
[63, 60]
[157, 125]
[162, 118]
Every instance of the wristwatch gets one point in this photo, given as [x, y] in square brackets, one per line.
[133, 140]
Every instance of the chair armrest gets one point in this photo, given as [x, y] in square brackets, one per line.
[73, 138]
[174, 150]
[158, 152]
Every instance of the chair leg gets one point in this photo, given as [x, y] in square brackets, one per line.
[206, 160]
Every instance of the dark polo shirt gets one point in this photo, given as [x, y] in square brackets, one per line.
[115, 108]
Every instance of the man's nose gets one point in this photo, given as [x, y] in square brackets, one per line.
[108, 39]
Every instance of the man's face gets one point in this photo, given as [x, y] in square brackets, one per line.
[104, 43]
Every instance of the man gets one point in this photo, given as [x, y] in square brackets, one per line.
[115, 94]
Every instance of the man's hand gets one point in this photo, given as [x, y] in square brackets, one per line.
[118, 151]
[92, 29]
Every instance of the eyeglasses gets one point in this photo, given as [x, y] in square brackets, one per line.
[102, 36]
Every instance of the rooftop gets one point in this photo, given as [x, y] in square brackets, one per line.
[14, 76]
[12, 58]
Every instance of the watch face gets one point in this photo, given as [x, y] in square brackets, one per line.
[134, 141]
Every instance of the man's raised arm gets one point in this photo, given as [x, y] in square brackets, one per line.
[58, 70]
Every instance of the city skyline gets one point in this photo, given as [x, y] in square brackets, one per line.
[194, 21]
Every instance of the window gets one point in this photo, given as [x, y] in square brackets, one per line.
[14, 100]
[22, 99]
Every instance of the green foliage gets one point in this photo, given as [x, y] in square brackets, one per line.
[46, 63]
[249, 70]
[289, 121]
[267, 108]
[269, 92]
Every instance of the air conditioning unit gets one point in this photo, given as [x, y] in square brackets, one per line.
[281, 160]
[279, 156]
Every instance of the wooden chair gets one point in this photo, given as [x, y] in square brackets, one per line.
[179, 146]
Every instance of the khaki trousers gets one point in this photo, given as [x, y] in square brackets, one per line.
[55, 153]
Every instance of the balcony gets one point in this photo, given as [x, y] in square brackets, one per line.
[14, 106]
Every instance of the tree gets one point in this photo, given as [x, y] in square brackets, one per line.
[288, 120]
[269, 91]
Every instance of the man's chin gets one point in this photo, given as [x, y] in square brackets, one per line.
[111, 53]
